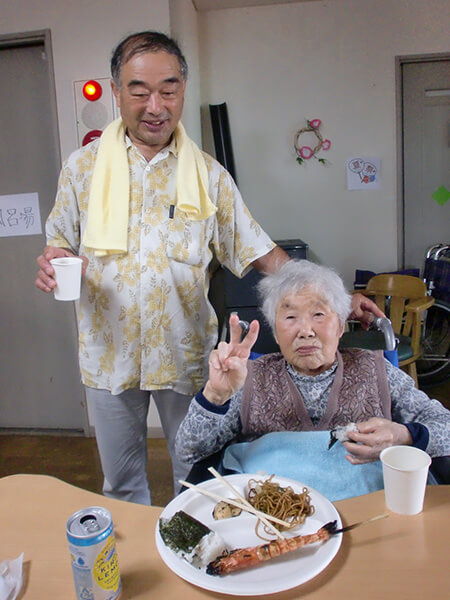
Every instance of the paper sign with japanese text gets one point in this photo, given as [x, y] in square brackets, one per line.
[363, 173]
[20, 215]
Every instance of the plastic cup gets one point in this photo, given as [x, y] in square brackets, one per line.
[67, 277]
[405, 472]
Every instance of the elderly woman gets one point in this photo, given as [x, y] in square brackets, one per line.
[309, 387]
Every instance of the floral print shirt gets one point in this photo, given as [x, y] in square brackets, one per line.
[144, 317]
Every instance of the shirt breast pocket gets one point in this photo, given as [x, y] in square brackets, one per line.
[187, 240]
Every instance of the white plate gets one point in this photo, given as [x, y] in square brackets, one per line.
[282, 573]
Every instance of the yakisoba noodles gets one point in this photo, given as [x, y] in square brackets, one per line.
[271, 498]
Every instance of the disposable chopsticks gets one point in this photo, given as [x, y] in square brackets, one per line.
[253, 511]
[348, 527]
[244, 501]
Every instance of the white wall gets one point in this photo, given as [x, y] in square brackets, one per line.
[276, 66]
[84, 34]
[184, 28]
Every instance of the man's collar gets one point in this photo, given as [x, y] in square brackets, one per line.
[171, 147]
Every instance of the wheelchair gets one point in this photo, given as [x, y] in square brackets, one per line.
[440, 466]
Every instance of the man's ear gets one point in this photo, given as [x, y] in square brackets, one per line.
[116, 92]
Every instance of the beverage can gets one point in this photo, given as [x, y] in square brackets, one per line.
[92, 547]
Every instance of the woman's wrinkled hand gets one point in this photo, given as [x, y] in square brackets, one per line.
[228, 363]
[373, 436]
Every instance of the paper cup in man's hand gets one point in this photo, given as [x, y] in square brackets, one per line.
[67, 277]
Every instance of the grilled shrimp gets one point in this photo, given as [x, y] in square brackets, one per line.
[244, 558]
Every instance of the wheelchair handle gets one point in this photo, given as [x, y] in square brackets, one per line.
[384, 325]
[244, 325]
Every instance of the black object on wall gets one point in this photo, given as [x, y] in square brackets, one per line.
[222, 137]
[241, 296]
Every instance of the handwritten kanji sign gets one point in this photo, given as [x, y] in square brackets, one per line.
[363, 173]
[19, 215]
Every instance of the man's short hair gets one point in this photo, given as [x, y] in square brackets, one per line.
[139, 43]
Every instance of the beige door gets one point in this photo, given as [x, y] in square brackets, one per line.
[39, 376]
[426, 153]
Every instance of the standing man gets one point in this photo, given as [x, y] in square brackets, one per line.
[146, 209]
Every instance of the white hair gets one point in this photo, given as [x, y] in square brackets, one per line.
[296, 276]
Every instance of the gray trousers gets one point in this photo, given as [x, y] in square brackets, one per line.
[121, 433]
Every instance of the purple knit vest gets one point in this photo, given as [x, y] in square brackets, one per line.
[272, 402]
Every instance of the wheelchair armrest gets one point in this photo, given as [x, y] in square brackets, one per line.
[199, 471]
[440, 468]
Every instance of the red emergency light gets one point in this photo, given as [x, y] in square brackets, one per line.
[92, 90]
[91, 135]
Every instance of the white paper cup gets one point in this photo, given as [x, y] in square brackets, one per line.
[67, 277]
[405, 472]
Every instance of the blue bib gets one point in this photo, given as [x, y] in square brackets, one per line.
[304, 456]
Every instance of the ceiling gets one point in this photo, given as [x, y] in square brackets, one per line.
[204, 5]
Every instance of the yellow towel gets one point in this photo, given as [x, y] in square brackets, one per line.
[192, 178]
[107, 224]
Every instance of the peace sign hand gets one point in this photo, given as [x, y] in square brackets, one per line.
[228, 363]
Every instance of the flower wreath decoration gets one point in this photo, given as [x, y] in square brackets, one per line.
[306, 152]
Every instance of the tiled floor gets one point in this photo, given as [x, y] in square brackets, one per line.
[75, 460]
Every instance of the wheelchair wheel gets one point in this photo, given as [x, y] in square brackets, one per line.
[434, 365]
